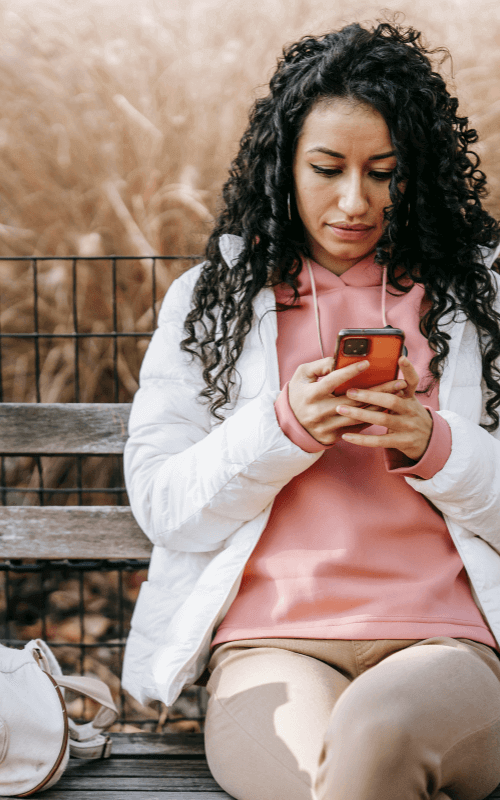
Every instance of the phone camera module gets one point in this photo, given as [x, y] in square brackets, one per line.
[356, 346]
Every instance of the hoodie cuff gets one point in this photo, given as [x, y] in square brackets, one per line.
[292, 428]
[433, 460]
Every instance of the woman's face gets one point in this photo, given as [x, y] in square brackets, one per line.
[341, 170]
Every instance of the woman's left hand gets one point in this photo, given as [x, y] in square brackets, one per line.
[408, 423]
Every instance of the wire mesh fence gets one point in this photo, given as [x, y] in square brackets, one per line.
[51, 350]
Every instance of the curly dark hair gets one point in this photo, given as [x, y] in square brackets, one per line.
[435, 227]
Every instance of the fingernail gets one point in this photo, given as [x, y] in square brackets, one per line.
[363, 364]
[400, 385]
[342, 410]
[352, 392]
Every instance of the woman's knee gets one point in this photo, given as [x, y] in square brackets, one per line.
[249, 766]
[375, 718]
[266, 717]
[381, 726]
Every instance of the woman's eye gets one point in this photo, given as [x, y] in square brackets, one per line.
[382, 176]
[325, 170]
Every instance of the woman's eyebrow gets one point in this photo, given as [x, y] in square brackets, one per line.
[382, 155]
[334, 154]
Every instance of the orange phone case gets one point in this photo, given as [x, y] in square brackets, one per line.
[384, 350]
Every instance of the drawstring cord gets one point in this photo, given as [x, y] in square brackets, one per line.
[384, 288]
[316, 307]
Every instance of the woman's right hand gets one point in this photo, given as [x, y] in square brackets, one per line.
[311, 399]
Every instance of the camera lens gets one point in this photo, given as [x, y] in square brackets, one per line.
[356, 346]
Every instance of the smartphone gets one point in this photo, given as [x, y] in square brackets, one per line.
[382, 347]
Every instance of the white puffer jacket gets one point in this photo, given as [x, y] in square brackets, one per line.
[203, 492]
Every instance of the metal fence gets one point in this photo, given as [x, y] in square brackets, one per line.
[81, 608]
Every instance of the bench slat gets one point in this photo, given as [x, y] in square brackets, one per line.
[122, 794]
[129, 745]
[85, 780]
[71, 532]
[63, 428]
[144, 768]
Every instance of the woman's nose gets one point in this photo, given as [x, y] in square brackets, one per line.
[353, 200]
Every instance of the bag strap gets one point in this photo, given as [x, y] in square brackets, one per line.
[87, 740]
[97, 747]
[99, 692]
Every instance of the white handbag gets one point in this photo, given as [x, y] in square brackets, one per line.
[36, 735]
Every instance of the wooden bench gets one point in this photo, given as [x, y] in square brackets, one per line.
[143, 766]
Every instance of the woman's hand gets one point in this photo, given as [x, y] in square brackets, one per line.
[408, 423]
[311, 400]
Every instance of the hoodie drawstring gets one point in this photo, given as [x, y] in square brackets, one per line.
[316, 307]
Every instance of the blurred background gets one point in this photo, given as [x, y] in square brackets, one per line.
[118, 121]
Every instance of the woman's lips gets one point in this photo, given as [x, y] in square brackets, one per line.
[351, 232]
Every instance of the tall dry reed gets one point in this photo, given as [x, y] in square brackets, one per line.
[118, 123]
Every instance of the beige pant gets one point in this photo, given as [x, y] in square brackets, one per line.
[297, 719]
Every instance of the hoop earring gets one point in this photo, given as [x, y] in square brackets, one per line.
[289, 207]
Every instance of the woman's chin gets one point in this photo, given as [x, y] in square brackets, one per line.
[340, 259]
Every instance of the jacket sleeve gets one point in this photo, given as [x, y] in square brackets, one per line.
[192, 485]
[467, 488]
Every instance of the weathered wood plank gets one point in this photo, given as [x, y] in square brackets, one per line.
[63, 428]
[147, 744]
[171, 767]
[129, 786]
[155, 774]
[161, 787]
[140, 767]
[71, 532]
[73, 781]
[122, 794]
[54, 794]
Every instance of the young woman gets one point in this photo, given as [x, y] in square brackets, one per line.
[334, 560]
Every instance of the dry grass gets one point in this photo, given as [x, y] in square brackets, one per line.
[118, 123]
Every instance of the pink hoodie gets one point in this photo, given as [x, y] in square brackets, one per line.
[351, 551]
